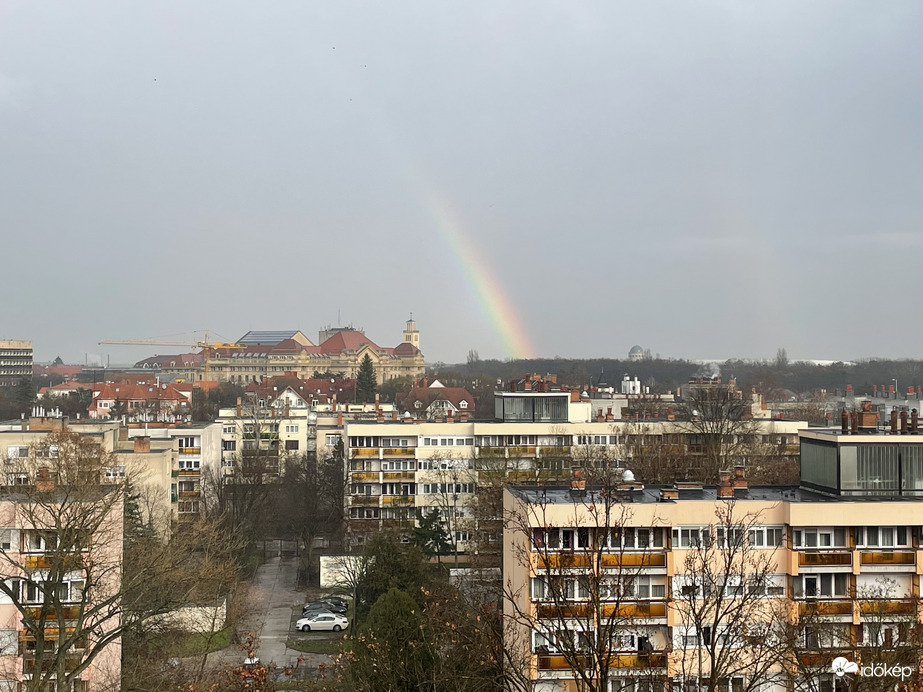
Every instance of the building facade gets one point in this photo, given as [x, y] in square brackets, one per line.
[15, 361]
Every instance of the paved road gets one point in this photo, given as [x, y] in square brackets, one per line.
[268, 616]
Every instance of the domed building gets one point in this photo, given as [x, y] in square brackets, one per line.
[636, 353]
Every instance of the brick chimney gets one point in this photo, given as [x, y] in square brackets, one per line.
[667, 494]
[725, 487]
[339, 419]
[123, 434]
[740, 480]
[142, 444]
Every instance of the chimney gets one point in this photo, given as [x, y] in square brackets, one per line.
[379, 416]
[670, 415]
[377, 400]
[740, 480]
[512, 385]
[903, 422]
[914, 421]
[725, 487]
[667, 494]
[44, 481]
[527, 386]
[577, 484]
[449, 417]
[394, 415]
[334, 402]
[339, 419]
[238, 407]
[599, 415]
[609, 415]
[574, 396]
[287, 409]
[854, 423]
[123, 434]
[844, 421]
[142, 444]
[463, 417]
[894, 421]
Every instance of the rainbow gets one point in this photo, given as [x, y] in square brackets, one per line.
[488, 291]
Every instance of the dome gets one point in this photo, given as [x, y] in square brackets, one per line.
[636, 353]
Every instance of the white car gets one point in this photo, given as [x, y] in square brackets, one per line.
[322, 621]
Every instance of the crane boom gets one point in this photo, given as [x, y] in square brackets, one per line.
[206, 346]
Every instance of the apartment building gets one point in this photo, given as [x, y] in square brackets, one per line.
[831, 569]
[401, 466]
[15, 361]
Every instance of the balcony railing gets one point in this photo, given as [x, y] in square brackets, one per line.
[357, 476]
[632, 609]
[889, 557]
[190, 450]
[887, 607]
[635, 661]
[45, 561]
[833, 607]
[841, 558]
[579, 558]
[68, 612]
[364, 452]
[401, 500]
[399, 476]
[398, 451]
[364, 500]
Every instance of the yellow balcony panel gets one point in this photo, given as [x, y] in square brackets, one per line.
[189, 473]
[825, 607]
[400, 500]
[357, 476]
[634, 560]
[887, 557]
[188, 493]
[67, 612]
[825, 559]
[521, 451]
[406, 476]
[364, 500]
[557, 662]
[190, 450]
[365, 452]
[557, 560]
[639, 661]
[634, 609]
[72, 561]
[398, 451]
[887, 607]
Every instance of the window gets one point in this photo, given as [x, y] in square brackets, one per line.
[882, 536]
[821, 585]
[227, 430]
[188, 507]
[393, 442]
[819, 538]
[9, 642]
[766, 585]
[633, 538]
[228, 445]
[188, 442]
[691, 536]
[115, 472]
[291, 445]
[8, 539]
[332, 440]
[189, 464]
[765, 536]
[729, 536]
[187, 486]
[40, 541]
[291, 428]
[17, 451]
[647, 587]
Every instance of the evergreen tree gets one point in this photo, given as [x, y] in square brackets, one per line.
[431, 536]
[25, 391]
[366, 381]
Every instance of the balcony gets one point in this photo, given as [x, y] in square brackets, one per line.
[521, 451]
[196, 451]
[29, 666]
[359, 476]
[364, 500]
[46, 561]
[831, 558]
[364, 452]
[397, 500]
[634, 661]
[189, 473]
[188, 493]
[631, 609]
[905, 558]
[635, 560]
[398, 451]
[35, 613]
[887, 607]
[838, 607]
[405, 476]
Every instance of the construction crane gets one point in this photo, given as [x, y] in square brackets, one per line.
[206, 346]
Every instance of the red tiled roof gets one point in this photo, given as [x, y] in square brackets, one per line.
[404, 348]
[347, 340]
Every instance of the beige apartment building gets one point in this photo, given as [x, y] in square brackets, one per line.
[628, 578]
[400, 466]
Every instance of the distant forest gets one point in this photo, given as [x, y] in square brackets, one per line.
[771, 378]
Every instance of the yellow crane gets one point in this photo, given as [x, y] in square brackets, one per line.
[206, 346]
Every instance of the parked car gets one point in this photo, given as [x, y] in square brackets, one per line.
[338, 601]
[322, 621]
[322, 606]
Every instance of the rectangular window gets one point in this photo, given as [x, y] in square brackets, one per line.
[291, 445]
[227, 430]
[291, 428]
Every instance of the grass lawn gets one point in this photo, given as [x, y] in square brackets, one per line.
[315, 644]
[182, 645]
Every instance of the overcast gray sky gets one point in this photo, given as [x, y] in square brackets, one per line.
[705, 179]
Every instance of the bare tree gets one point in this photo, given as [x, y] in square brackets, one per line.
[730, 613]
[80, 579]
[589, 593]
